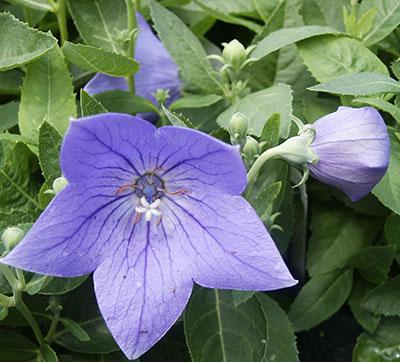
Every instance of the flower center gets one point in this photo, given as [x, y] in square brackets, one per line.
[149, 186]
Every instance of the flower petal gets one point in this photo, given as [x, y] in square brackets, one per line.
[110, 145]
[157, 69]
[142, 289]
[353, 148]
[225, 241]
[73, 233]
[191, 159]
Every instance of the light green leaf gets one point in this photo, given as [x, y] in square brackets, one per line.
[196, 101]
[54, 103]
[381, 346]
[386, 20]
[281, 339]
[36, 283]
[49, 152]
[328, 57]
[284, 37]
[41, 5]
[270, 132]
[380, 104]
[384, 299]
[359, 84]
[15, 347]
[75, 329]
[374, 262]
[124, 102]
[217, 331]
[47, 353]
[322, 12]
[320, 297]
[8, 115]
[388, 189]
[59, 286]
[101, 23]
[21, 44]
[89, 105]
[177, 120]
[260, 106]
[99, 60]
[185, 48]
[337, 235]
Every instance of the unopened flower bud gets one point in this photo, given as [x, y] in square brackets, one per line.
[234, 54]
[238, 127]
[251, 149]
[297, 150]
[12, 236]
[59, 184]
[161, 95]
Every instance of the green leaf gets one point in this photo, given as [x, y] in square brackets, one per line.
[380, 104]
[217, 331]
[196, 101]
[284, 37]
[20, 43]
[384, 299]
[40, 5]
[17, 187]
[392, 232]
[75, 329]
[270, 132]
[101, 23]
[54, 103]
[359, 84]
[337, 235]
[185, 48]
[261, 105]
[10, 82]
[388, 189]
[59, 286]
[366, 319]
[177, 120]
[381, 346]
[8, 115]
[374, 262]
[265, 197]
[36, 283]
[328, 57]
[89, 105]
[322, 12]
[125, 102]
[99, 60]
[386, 20]
[241, 296]
[49, 152]
[320, 298]
[15, 347]
[281, 339]
[47, 353]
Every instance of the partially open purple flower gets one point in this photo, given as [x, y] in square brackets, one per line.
[157, 70]
[150, 211]
[353, 148]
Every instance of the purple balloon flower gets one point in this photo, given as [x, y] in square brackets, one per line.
[353, 148]
[157, 69]
[150, 211]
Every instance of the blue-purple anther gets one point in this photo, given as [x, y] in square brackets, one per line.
[150, 211]
[157, 70]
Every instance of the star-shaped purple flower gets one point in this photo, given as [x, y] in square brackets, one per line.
[150, 211]
[157, 70]
[353, 148]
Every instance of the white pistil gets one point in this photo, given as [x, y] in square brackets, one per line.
[148, 209]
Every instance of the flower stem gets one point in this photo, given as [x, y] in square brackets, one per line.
[60, 11]
[131, 6]
[18, 285]
[53, 328]
[255, 169]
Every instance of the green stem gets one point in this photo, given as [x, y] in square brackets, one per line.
[61, 13]
[53, 328]
[132, 25]
[255, 169]
[8, 274]
[27, 15]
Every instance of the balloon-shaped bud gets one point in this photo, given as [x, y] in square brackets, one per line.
[234, 54]
[238, 127]
[12, 236]
[59, 184]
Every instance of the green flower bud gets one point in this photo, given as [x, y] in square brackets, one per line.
[251, 149]
[234, 54]
[297, 150]
[238, 127]
[161, 95]
[12, 236]
[59, 184]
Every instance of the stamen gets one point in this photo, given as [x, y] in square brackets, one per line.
[124, 188]
[148, 209]
[173, 193]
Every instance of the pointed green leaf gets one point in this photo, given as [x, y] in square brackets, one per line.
[89, 105]
[196, 101]
[21, 44]
[185, 48]
[270, 132]
[54, 103]
[320, 298]
[177, 120]
[75, 329]
[48, 354]
[99, 60]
